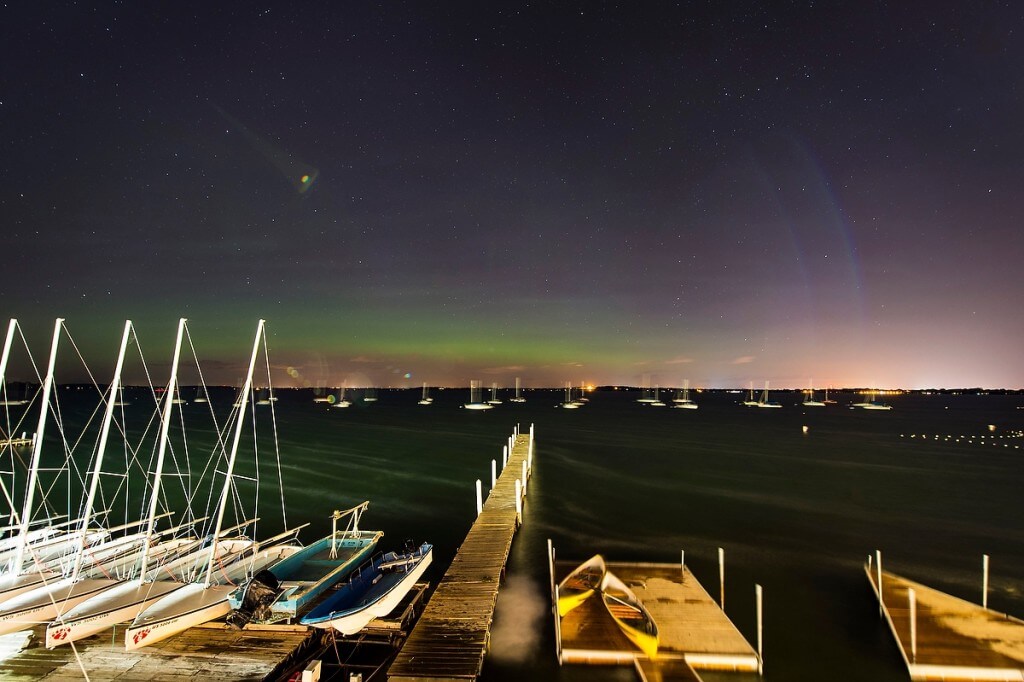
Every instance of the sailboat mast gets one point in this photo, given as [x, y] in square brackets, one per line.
[7, 351]
[37, 447]
[108, 416]
[3, 383]
[242, 404]
[165, 426]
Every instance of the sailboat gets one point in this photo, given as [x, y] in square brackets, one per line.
[582, 582]
[657, 400]
[373, 592]
[293, 583]
[809, 400]
[92, 574]
[201, 395]
[683, 401]
[629, 614]
[750, 402]
[198, 602]
[518, 397]
[474, 397]
[370, 395]
[494, 395]
[569, 403]
[764, 402]
[645, 391]
[827, 400]
[341, 402]
[871, 404]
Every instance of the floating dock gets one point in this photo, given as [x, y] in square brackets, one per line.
[450, 638]
[946, 638]
[694, 632]
[211, 652]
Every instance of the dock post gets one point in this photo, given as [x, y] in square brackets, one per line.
[721, 577]
[504, 457]
[682, 560]
[519, 501]
[494, 474]
[511, 443]
[524, 478]
[479, 497]
[912, 596]
[878, 568]
[984, 581]
[759, 594]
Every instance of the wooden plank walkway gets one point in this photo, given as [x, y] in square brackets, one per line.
[450, 639]
[213, 652]
[955, 639]
[691, 626]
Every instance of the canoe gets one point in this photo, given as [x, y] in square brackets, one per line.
[577, 587]
[373, 592]
[629, 614]
[195, 603]
[305, 575]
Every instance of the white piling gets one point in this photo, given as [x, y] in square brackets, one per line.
[721, 577]
[524, 478]
[504, 457]
[511, 444]
[494, 473]
[682, 560]
[759, 595]
[878, 582]
[479, 497]
[912, 596]
[984, 581]
[519, 501]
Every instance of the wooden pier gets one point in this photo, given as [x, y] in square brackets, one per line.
[211, 652]
[450, 638]
[946, 638]
[695, 634]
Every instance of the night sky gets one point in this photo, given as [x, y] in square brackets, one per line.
[724, 191]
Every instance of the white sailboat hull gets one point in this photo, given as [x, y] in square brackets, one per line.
[185, 607]
[45, 603]
[119, 604]
[195, 604]
[124, 602]
[13, 585]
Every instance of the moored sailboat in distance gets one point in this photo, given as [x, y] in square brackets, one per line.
[569, 403]
[494, 395]
[683, 401]
[750, 401]
[474, 397]
[809, 400]
[518, 397]
[764, 402]
[426, 399]
[657, 400]
[340, 401]
[871, 403]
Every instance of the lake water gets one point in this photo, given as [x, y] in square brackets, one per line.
[795, 512]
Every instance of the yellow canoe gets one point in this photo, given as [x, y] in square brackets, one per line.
[576, 587]
[629, 614]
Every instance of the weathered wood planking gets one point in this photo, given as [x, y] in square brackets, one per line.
[197, 653]
[450, 639]
[955, 640]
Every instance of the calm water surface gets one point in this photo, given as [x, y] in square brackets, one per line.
[797, 513]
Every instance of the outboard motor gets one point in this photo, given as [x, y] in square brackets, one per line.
[259, 595]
